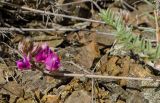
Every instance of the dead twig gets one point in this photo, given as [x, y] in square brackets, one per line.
[77, 2]
[156, 22]
[54, 14]
[56, 30]
[32, 29]
[101, 76]
[78, 66]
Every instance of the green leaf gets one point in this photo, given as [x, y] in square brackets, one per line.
[157, 51]
[142, 45]
[127, 38]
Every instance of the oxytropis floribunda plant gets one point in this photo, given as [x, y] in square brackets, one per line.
[33, 53]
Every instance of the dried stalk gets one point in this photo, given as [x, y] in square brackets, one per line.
[53, 14]
[77, 2]
[52, 29]
[157, 28]
[156, 22]
[94, 76]
[32, 29]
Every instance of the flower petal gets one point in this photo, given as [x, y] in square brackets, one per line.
[23, 64]
[52, 62]
[43, 53]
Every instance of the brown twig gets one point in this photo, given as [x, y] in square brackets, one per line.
[54, 14]
[52, 29]
[71, 3]
[156, 22]
[100, 76]
[78, 66]
[77, 2]
[32, 29]
[157, 28]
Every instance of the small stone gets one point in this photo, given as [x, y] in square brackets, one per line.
[79, 97]
[50, 99]
[14, 89]
[88, 54]
[22, 100]
[149, 90]
[136, 98]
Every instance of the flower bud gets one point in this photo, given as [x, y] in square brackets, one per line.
[25, 46]
[125, 16]
[36, 48]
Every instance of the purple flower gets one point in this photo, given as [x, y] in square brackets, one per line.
[43, 53]
[52, 62]
[23, 64]
[48, 57]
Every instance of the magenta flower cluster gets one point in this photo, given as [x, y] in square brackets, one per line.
[43, 55]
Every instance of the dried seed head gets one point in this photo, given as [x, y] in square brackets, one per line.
[125, 15]
[25, 46]
[36, 48]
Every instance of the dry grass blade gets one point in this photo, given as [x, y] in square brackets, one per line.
[77, 2]
[54, 14]
[52, 29]
[94, 76]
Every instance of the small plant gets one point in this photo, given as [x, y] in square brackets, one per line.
[128, 39]
[33, 53]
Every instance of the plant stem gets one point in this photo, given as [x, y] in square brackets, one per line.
[156, 22]
[53, 14]
[101, 76]
[157, 28]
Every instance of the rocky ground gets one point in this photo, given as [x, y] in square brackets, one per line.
[84, 46]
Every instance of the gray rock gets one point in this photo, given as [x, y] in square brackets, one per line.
[79, 97]
[150, 91]
[136, 98]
